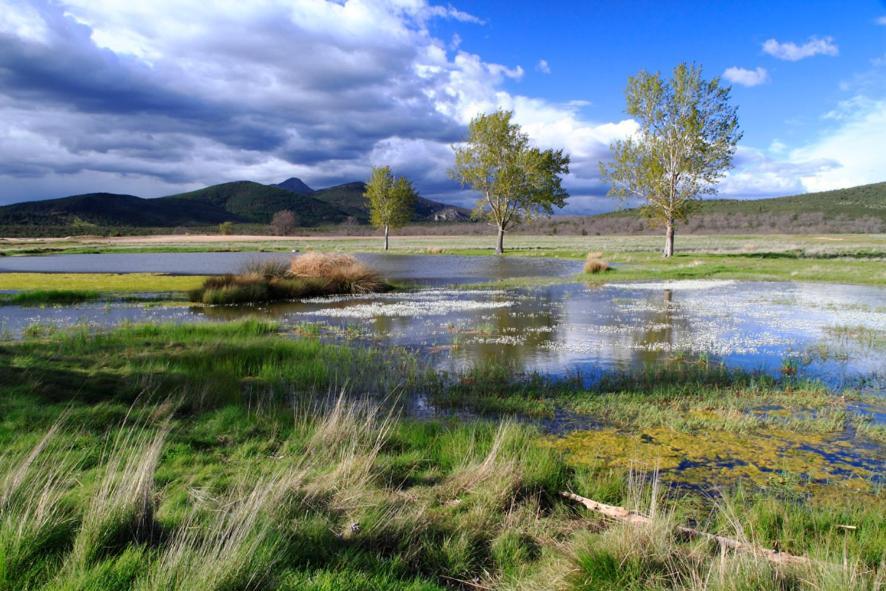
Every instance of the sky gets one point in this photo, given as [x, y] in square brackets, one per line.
[154, 98]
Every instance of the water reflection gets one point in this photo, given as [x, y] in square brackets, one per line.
[435, 270]
[577, 329]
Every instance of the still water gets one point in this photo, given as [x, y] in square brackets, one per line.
[834, 333]
[420, 269]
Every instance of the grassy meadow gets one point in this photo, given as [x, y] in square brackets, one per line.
[233, 456]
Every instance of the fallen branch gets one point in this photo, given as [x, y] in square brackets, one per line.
[626, 516]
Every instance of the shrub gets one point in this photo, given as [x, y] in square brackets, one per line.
[226, 228]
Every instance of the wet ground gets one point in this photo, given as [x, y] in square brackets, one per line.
[833, 333]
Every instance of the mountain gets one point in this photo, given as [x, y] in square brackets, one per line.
[296, 185]
[254, 202]
[108, 209]
[349, 198]
[239, 201]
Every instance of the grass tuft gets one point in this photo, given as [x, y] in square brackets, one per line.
[308, 275]
[595, 264]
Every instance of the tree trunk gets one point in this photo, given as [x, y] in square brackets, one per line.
[386, 236]
[500, 245]
[669, 240]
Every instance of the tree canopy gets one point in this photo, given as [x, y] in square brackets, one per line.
[391, 200]
[687, 137]
[516, 181]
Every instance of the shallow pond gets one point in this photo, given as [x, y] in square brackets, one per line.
[420, 269]
[830, 332]
[836, 333]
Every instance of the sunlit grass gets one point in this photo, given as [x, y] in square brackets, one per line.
[101, 282]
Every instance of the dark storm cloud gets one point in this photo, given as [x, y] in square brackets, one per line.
[266, 86]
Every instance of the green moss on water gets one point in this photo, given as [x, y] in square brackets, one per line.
[722, 457]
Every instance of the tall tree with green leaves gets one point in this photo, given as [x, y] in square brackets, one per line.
[391, 200]
[685, 144]
[516, 181]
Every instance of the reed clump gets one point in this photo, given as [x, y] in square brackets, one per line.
[341, 273]
[594, 263]
[307, 275]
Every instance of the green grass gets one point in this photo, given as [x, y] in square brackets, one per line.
[101, 282]
[222, 456]
[49, 296]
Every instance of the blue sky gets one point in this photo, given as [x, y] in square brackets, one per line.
[155, 98]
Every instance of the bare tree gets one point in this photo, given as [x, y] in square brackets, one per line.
[284, 222]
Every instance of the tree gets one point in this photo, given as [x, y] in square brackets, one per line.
[687, 136]
[284, 222]
[391, 200]
[226, 228]
[516, 181]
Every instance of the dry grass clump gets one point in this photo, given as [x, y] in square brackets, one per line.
[308, 275]
[343, 271]
[595, 264]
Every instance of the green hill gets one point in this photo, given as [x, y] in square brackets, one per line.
[349, 198]
[108, 209]
[864, 201]
[254, 202]
[239, 201]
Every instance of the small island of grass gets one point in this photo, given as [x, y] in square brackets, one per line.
[307, 275]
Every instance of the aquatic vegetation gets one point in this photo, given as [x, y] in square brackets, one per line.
[409, 309]
[724, 456]
[266, 476]
[343, 271]
[307, 276]
[48, 297]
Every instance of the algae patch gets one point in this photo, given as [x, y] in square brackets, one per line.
[723, 457]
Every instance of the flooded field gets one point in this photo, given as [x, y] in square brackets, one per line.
[827, 332]
[835, 334]
[420, 269]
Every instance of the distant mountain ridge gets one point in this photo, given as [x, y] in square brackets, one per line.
[855, 209]
[238, 201]
[863, 201]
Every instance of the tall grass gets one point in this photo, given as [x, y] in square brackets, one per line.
[342, 272]
[308, 275]
[122, 508]
[33, 519]
[340, 494]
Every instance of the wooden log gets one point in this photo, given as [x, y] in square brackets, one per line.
[625, 516]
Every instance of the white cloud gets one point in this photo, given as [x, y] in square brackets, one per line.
[453, 13]
[881, 20]
[792, 52]
[184, 94]
[849, 153]
[746, 77]
[156, 97]
[543, 66]
[855, 144]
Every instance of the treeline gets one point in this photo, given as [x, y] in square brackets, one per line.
[602, 225]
